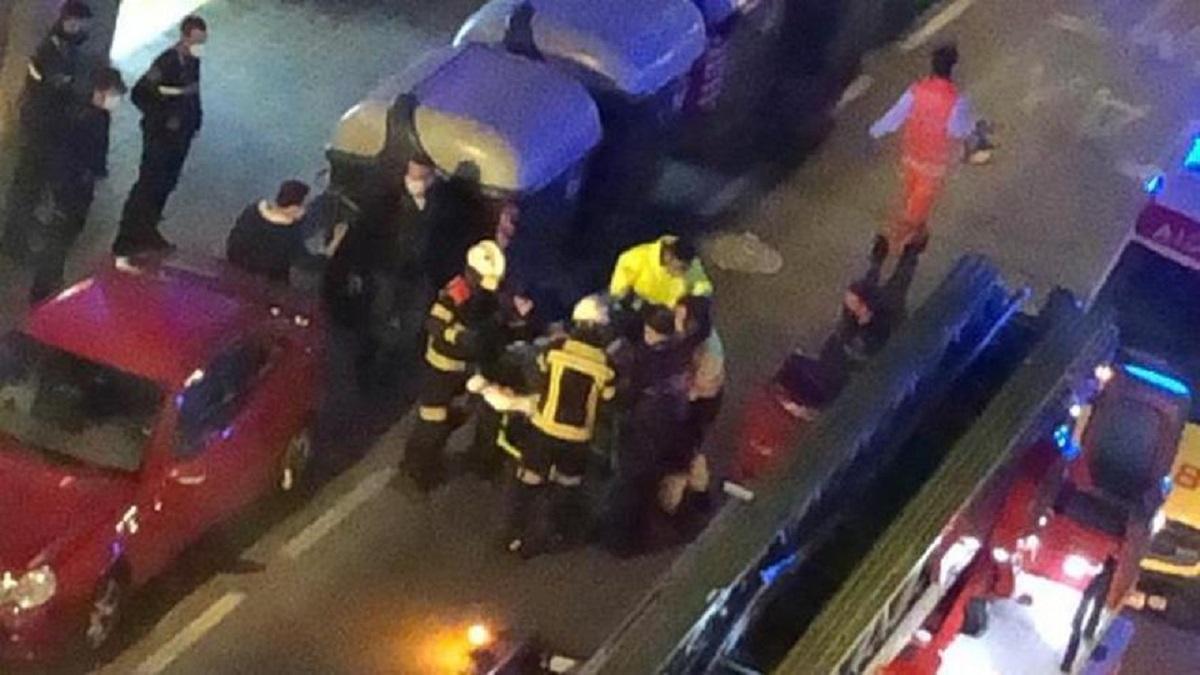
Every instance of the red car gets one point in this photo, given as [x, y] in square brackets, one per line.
[139, 408]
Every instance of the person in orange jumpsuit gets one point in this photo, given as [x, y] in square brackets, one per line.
[934, 119]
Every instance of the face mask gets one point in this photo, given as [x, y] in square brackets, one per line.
[416, 187]
[196, 50]
[112, 102]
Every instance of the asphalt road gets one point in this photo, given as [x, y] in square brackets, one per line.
[360, 579]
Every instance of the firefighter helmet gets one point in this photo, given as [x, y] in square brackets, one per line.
[487, 260]
[591, 309]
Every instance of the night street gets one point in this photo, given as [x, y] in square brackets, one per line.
[1088, 96]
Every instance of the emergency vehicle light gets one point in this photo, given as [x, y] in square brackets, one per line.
[1192, 161]
[1154, 184]
[1157, 379]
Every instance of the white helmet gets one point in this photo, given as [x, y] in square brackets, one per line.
[487, 260]
[592, 309]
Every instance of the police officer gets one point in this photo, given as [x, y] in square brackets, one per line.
[80, 159]
[45, 104]
[551, 444]
[459, 325]
[169, 97]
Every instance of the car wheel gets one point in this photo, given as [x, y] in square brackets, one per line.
[105, 612]
[296, 460]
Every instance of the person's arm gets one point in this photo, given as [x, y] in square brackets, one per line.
[623, 278]
[895, 117]
[962, 119]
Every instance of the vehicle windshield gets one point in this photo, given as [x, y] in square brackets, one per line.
[72, 410]
[1158, 311]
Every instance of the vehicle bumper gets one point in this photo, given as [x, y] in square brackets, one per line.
[31, 636]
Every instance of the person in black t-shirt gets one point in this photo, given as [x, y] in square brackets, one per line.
[268, 237]
[79, 159]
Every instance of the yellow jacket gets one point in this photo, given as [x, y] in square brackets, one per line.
[640, 271]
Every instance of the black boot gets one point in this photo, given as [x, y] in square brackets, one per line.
[568, 517]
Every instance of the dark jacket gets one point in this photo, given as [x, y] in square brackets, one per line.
[262, 247]
[50, 83]
[169, 95]
[81, 155]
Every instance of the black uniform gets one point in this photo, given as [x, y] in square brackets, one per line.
[263, 247]
[79, 160]
[44, 110]
[552, 446]
[169, 97]
[459, 321]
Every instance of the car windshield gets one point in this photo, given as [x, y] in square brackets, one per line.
[1158, 311]
[72, 410]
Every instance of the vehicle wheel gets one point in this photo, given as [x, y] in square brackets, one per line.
[104, 614]
[976, 619]
[296, 460]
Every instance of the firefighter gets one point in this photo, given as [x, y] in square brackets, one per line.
[46, 100]
[550, 444]
[169, 97]
[80, 160]
[934, 119]
[459, 325]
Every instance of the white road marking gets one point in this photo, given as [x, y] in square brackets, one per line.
[942, 19]
[141, 22]
[859, 87]
[193, 633]
[367, 489]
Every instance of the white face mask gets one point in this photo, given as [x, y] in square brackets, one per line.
[112, 102]
[416, 187]
[196, 50]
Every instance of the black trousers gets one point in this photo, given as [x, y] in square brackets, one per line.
[163, 155]
[72, 202]
[29, 182]
[423, 455]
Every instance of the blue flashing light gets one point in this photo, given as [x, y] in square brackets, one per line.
[1154, 184]
[1166, 484]
[1157, 379]
[770, 574]
[1192, 161]
[1062, 436]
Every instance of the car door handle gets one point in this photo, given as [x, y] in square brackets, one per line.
[189, 478]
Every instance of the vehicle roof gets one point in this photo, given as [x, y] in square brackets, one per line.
[520, 123]
[161, 324]
[633, 46]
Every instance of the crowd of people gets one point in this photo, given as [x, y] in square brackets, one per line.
[629, 384]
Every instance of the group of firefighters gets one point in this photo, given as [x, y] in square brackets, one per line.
[538, 390]
[647, 343]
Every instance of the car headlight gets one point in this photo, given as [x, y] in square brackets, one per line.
[32, 589]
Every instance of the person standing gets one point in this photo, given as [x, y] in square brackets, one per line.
[459, 323]
[661, 272]
[46, 103]
[268, 237]
[550, 440]
[80, 159]
[169, 97]
[934, 119]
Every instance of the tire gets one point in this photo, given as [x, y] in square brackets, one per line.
[297, 458]
[976, 619]
[104, 613]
